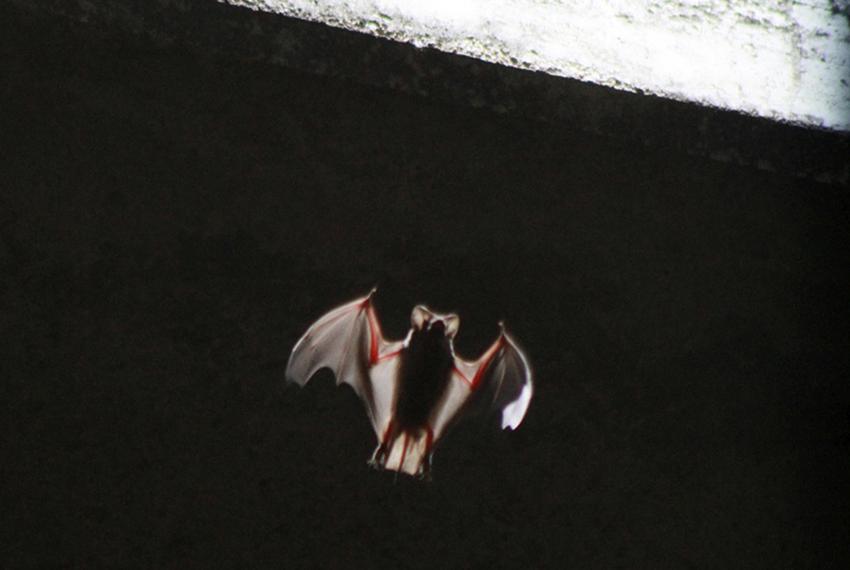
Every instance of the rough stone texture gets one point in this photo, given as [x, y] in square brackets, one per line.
[785, 60]
[170, 222]
[210, 28]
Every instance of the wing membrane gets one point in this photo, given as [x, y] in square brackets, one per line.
[348, 341]
[501, 380]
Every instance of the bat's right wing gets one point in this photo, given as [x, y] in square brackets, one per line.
[500, 380]
[349, 342]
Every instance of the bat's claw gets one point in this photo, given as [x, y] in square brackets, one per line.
[379, 458]
[425, 469]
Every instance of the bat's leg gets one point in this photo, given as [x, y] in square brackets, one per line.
[379, 457]
[425, 467]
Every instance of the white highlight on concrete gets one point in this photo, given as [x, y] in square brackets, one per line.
[782, 59]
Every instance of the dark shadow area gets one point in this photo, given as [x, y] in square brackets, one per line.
[171, 223]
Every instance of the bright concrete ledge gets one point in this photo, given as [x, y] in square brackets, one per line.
[782, 60]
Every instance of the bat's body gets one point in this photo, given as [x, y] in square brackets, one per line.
[415, 389]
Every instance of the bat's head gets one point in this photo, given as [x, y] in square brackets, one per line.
[424, 319]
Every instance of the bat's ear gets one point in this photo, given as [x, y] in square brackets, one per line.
[452, 324]
[419, 317]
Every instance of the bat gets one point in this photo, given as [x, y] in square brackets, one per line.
[415, 389]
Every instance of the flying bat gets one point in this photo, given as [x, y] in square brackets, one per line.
[417, 388]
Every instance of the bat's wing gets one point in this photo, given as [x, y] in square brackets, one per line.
[500, 380]
[349, 342]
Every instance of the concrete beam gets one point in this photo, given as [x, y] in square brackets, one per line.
[232, 32]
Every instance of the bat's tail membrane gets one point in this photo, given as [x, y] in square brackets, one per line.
[408, 452]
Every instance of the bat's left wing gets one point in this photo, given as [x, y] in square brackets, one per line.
[501, 380]
[349, 342]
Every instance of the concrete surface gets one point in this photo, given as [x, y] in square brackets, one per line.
[211, 29]
[782, 60]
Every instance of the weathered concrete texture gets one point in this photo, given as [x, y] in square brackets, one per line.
[244, 35]
[784, 60]
[170, 223]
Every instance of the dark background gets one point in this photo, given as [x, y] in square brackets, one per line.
[170, 223]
